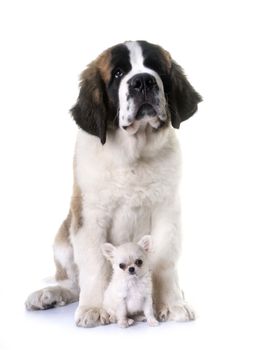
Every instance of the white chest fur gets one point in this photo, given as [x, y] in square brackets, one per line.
[135, 295]
[132, 291]
[126, 178]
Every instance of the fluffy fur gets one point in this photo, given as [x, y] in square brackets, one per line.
[129, 294]
[125, 186]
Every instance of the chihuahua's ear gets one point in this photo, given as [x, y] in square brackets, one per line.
[146, 243]
[108, 250]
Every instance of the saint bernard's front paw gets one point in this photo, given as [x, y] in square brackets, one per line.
[181, 312]
[163, 313]
[91, 317]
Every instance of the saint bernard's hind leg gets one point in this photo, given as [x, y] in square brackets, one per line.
[66, 291]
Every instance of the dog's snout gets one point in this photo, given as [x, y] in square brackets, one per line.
[131, 270]
[142, 82]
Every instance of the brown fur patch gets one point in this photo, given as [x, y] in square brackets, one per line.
[88, 74]
[74, 220]
[166, 56]
[76, 208]
[63, 234]
[62, 239]
[97, 96]
[103, 63]
[76, 203]
[60, 273]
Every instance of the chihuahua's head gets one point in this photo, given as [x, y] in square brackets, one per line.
[129, 259]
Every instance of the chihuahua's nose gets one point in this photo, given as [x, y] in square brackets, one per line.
[131, 270]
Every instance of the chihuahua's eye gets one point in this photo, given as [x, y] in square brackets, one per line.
[138, 262]
[118, 73]
[122, 266]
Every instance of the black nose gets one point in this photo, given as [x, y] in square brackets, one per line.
[131, 270]
[142, 82]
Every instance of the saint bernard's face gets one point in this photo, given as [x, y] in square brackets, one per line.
[133, 86]
[137, 87]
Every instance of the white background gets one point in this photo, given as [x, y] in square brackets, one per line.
[44, 46]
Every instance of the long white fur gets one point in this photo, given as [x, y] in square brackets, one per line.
[127, 295]
[130, 189]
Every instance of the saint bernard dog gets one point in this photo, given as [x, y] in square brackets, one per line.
[126, 180]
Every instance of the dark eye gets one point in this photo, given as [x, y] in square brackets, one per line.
[122, 266]
[138, 262]
[118, 73]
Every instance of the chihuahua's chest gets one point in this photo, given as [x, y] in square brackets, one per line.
[135, 296]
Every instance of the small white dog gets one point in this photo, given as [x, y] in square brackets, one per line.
[129, 293]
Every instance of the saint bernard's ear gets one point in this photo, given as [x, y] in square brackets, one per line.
[90, 112]
[182, 97]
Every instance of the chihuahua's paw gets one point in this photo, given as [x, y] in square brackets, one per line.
[91, 317]
[181, 312]
[152, 322]
[139, 318]
[130, 321]
[126, 323]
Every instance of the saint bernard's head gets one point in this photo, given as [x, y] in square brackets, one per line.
[133, 86]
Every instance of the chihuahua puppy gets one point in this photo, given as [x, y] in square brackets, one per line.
[129, 294]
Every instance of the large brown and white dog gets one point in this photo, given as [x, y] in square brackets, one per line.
[126, 179]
